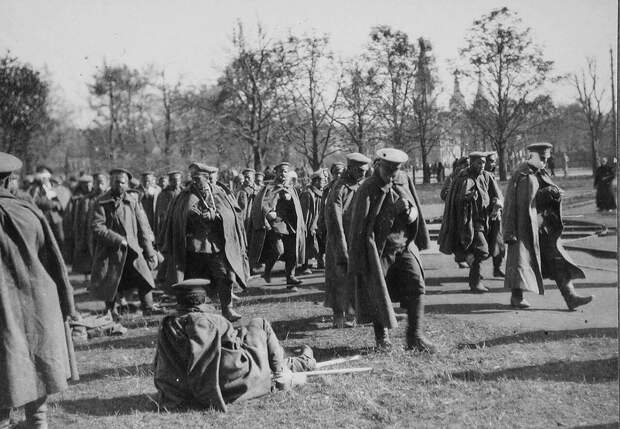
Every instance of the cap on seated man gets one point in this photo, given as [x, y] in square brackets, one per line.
[202, 361]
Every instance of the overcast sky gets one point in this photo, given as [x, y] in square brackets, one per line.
[191, 38]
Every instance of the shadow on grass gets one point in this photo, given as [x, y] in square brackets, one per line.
[289, 297]
[544, 336]
[121, 405]
[142, 370]
[284, 328]
[440, 281]
[614, 425]
[482, 308]
[141, 342]
[328, 353]
[591, 371]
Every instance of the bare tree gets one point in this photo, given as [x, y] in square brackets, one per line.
[590, 96]
[511, 70]
[312, 97]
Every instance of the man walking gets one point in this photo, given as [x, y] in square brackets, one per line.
[310, 201]
[387, 232]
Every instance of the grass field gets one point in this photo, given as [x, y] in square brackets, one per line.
[483, 376]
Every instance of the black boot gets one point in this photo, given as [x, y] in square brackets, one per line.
[224, 291]
[497, 266]
[382, 337]
[570, 296]
[474, 278]
[415, 334]
[517, 300]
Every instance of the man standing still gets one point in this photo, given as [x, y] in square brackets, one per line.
[387, 233]
[245, 197]
[336, 170]
[534, 251]
[310, 201]
[123, 249]
[35, 297]
[205, 238]
[339, 287]
[278, 228]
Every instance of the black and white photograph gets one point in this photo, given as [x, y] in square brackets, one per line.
[309, 214]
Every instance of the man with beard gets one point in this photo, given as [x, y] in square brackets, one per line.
[203, 362]
[35, 298]
[338, 286]
[123, 249]
[310, 201]
[603, 178]
[384, 242]
[473, 199]
[164, 200]
[495, 236]
[149, 191]
[204, 237]
[245, 196]
[278, 228]
[534, 251]
[49, 202]
[336, 170]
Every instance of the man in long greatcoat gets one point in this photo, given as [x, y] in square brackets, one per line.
[310, 200]
[245, 197]
[495, 236]
[35, 297]
[49, 201]
[339, 289]
[386, 235]
[83, 187]
[278, 228]
[149, 191]
[205, 238]
[336, 170]
[80, 227]
[100, 186]
[473, 200]
[123, 246]
[202, 361]
[534, 251]
[603, 179]
[164, 201]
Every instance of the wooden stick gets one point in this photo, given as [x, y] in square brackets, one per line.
[337, 371]
[75, 376]
[337, 361]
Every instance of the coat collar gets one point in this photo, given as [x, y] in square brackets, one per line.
[109, 198]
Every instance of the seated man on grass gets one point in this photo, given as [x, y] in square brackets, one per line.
[202, 361]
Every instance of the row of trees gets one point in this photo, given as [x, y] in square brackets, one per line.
[292, 99]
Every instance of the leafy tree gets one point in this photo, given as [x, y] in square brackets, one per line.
[512, 70]
[23, 109]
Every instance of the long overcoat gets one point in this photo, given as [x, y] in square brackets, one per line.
[310, 201]
[82, 260]
[115, 220]
[35, 295]
[201, 361]
[520, 222]
[373, 215]
[265, 202]
[232, 224]
[339, 286]
[164, 200]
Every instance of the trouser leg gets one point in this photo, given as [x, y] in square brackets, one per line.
[36, 413]
[290, 254]
[475, 284]
[5, 418]
[415, 326]
[382, 336]
[224, 292]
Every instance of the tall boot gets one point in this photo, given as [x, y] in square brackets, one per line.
[497, 266]
[224, 291]
[5, 418]
[382, 337]
[36, 413]
[474, 278]
[415, 334]
[570, 296]
[267, 273]
[517, 300]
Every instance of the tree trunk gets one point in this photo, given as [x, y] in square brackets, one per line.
[258, 161]
[594, 145]
[501, 159]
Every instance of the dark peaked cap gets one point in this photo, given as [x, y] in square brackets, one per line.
[201, 167]
[535, 147]
[121, 170]
[190, 287]
[9, 163]
[358, 158]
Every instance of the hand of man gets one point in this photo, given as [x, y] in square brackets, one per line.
[271, 216]
[123, 244]
[152, 261]
[402, 205]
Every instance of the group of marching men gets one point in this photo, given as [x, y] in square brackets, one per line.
[366, 225]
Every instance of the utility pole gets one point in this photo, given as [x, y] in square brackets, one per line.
[614, 125]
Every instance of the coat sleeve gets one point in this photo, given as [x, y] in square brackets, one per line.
[242, 199]
[145, 235]
[509, 215]
[305, 200]
[101, 233]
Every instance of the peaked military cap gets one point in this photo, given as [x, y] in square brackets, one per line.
[283, 164]
[121, 170]
[190, 287]
[9, 163]
[85, 178]
[357, 157]
[248, 170]
[392, 155]
[535, 147]
[477, 154]
[200, 167]
[173, 172]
